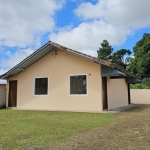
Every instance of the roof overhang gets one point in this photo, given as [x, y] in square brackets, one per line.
[111, 72]
[22, 66]
[132, 80]
[115, 74]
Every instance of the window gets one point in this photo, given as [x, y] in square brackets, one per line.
[41, 86]
[78, 84]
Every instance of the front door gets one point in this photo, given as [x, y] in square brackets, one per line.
[104, 87]
[12, 98]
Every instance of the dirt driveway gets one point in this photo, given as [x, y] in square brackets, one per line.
[130, 131]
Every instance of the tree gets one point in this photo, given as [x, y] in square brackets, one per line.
[105, 51]
[119, 57]
[144, 85]
[140, 65]
[146, 82]
[138, 86]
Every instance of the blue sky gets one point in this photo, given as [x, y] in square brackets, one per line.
[77, 24]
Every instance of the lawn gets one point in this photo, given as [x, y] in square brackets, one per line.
[129, 131]
[41, 129]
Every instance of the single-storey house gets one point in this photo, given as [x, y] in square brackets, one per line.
[57, 78]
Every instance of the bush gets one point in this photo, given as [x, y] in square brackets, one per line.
[144, 85]
[2, 106]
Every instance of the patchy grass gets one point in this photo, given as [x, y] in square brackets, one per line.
[129, 131]
[39, 130]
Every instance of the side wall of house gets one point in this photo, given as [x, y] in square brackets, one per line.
[117, 93]
[2, 96]
[58, 69]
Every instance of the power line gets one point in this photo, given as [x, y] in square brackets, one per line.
[12, 47]
[14, 40]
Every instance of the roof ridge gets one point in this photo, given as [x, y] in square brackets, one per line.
[113, 65]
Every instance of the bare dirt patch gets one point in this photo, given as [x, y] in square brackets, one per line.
[1, 147]
[130, 131]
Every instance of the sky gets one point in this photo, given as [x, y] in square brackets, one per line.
[78, 24]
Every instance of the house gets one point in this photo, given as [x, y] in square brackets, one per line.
[2, 95]
[57, 78]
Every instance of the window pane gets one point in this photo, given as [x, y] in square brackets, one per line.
[78, 84]
[41, 86]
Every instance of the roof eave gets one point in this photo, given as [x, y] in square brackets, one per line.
[8, 73]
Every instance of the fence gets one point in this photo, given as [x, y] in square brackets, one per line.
[2, 95]
[140, 96]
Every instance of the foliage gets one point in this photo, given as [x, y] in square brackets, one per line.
[118, 57]
[138, 86]
[144, 85]
[146, 81]
[39, 130]
[105, 51]
[3, 106]
[140, 65]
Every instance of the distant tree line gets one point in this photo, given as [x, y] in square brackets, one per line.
[139, 64]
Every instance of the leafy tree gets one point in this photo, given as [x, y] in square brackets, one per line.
[146, 81]
[138, 86]
[144, 85]
[105, 51]
[128, 60]
[140, 65]
[119, 57]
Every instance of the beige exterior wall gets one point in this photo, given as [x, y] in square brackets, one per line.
[140, 96]
[117, 93]
[2, 95]
[58, 69]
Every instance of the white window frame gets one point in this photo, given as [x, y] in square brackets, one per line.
[86, 85]
[47, 86]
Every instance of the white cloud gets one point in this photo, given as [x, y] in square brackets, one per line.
[3, 81]
[126, 13]
[88, 36]
[113, 20]
[14, 59]
[29, 20]
[24, 20]
[2, 71]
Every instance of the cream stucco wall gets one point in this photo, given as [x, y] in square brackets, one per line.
[140, 96]
[58, 68]
[117, 93]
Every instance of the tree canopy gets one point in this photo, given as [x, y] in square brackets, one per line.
[105, 51]
[144, 85]
[119, 57]
[140, 65]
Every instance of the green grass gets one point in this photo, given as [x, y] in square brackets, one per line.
[20, 129]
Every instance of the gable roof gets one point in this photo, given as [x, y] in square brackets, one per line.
[50, 46]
